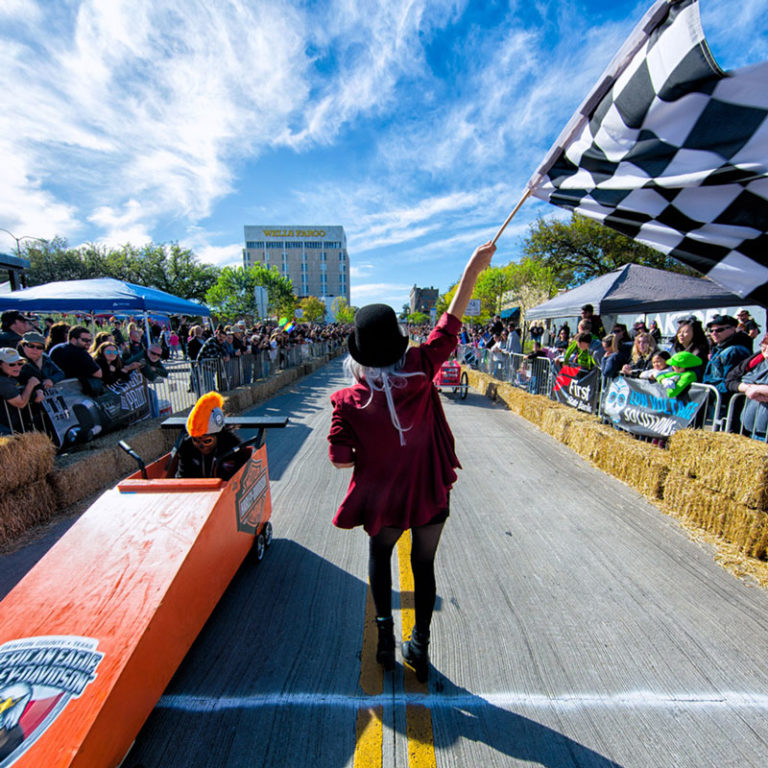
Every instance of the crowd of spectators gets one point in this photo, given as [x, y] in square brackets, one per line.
[34, 359]
[719, 354]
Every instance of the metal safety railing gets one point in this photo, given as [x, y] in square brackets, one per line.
[538, 376]
[747, 424]
[66, 406]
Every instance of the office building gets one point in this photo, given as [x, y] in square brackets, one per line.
[424, 299]
[314, 258]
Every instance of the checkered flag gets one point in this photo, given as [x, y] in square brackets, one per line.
[673, 152]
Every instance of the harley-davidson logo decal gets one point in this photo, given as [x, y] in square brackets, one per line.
[38, 677]
[251, 496]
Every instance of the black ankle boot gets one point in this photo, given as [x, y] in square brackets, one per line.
[415, 654]
[385, 651]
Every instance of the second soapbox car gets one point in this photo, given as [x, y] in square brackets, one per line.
[451, 375]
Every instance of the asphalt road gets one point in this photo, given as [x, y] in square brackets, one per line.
[576, 625]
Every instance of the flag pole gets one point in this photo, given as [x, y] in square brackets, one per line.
[511, 215]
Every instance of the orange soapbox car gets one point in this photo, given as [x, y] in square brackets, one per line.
[92, 635]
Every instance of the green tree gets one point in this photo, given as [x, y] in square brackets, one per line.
[233, 293]
[582, 249]
[342, 311]
[417, 318]
[169, 267]
[492, 284]
[313, 309]
[531, 283]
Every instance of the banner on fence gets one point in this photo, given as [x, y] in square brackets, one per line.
[577, 387]
[643, 408]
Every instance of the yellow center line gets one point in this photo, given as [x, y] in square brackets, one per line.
[369, 729]
[421, 743]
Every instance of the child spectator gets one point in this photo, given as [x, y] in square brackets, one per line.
[578, 352]
[659, 365]
[683, 373]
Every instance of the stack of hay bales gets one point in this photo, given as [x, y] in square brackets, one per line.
[26, 498]
[79, 475]
[719, 482]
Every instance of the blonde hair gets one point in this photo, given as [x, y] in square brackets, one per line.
[636, 355]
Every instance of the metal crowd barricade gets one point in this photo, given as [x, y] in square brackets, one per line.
[735, 407]
[710, 416]
[186, 381]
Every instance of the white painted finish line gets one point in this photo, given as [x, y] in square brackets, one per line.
[632, 699]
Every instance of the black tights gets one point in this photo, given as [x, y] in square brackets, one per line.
[425, 539]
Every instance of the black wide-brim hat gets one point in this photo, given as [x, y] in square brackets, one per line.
[377, 340]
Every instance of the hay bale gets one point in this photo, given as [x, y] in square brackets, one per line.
[25, 507]
[716, 513]
[729, 464]
[641, 465]
[24, 459]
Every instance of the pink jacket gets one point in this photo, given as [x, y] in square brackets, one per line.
[395, 485]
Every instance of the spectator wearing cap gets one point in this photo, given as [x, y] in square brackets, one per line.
[149, 362]
[728, 350]
[38, 364]
[74, 360]
[682, 375]
[13, 326]
[215, 346]
[747, 325]
[13, 395]
[639, 327]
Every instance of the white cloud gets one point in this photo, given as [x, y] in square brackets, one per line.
[394, 294]
[221, 255]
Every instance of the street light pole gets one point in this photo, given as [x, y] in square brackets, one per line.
[19, 239]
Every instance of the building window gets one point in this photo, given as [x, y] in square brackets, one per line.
[255, 244]
[342, 256]
[323, 256]
[323, 267]
[294, 244]
[313, 244]
[274, 244]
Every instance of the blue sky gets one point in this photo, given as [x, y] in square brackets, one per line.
[415, 124]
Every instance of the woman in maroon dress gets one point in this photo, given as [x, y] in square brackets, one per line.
[390, 427]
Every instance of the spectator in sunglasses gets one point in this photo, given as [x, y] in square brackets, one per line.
[14, 396]
[37, 363]
[107, 357]
[728, 350]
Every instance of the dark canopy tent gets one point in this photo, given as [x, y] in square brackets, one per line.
[102, 294]
[635, 289]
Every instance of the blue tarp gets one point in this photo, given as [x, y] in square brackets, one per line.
[102, 294]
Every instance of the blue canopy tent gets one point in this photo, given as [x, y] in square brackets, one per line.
[102, 294]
